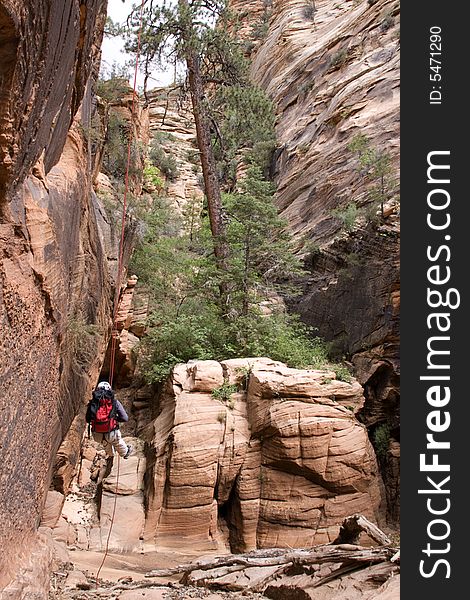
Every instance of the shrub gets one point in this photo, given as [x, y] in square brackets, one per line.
[347, 216]
[309, 10]
[81, 339]
[381, 439]
[152, 176]
[376, 166]
[163, 160]
[342, 373]
[338, 58]
[387, 22]
[224, 392]
[113, 89]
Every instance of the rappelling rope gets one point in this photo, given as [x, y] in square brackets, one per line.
[114, 333]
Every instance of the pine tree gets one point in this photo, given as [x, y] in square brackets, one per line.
[185, 32]
[261, 260]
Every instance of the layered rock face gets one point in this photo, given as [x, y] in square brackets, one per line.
[279, 463]
[48, 50]
[331, 77]
[242, 454]
[172, 126]
[332, 71]
[54, 287]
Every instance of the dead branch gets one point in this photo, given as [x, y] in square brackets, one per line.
[257, 570]
[354, 525]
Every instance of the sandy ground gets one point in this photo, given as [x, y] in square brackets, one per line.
[117, 566]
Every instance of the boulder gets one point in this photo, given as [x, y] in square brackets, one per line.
[281, 462]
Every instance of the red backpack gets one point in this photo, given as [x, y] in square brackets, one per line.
[103, 412]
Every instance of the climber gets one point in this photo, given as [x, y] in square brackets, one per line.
[104, 413]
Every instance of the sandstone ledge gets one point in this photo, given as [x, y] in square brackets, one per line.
[279, 463]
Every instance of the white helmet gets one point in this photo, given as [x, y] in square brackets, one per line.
[103, 385]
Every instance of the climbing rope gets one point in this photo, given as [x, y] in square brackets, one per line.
[114, 332]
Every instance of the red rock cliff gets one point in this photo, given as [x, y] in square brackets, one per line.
[54, 286]
[332, 71]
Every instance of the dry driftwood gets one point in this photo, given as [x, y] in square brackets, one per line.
[354, 525]
[255, 570]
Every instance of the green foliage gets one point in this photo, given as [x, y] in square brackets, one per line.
[284, 338]
[152, 177]
[261, 249]
[259, 30]
[176, 263]
[112, 29]
[171, 31]
[162, 260]
[114, 158]
[245, 117]
[224, 392]
[358, 144]
[338, 59]
[81, 340]
[193, 156]
[309, 10]
[311, 252]
[115, 150]
[342, 373]
[163, 160]
[241, 114]
[306, 87]
[347, 215]
[113, 89]
[376, 166]
[183, 338]
[178, 268]
[387, 22]
[381, 439]
[205, 335]
[245, 373]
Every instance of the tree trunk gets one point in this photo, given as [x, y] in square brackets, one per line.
[209, 170]
[246, 304]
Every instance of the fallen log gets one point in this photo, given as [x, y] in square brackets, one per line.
[354, 525]
[276, 567]
[255, 570]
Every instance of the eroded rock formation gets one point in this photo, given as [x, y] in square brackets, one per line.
[54, 287]
[48, 51]
[241, 455]
[280, 464]
[172, 128]
[332, 71]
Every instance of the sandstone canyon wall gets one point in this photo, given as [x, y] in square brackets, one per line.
[333, 73]
[56, 248]
[279, 463]
[55, 291]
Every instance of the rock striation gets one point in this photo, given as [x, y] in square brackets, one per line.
[239, 455]
[47, 53]
[332, 71]
[55, 289]
[172, 127]
[278, 463]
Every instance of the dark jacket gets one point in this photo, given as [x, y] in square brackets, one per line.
[120, 416]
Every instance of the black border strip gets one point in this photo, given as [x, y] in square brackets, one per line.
[434, 568]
